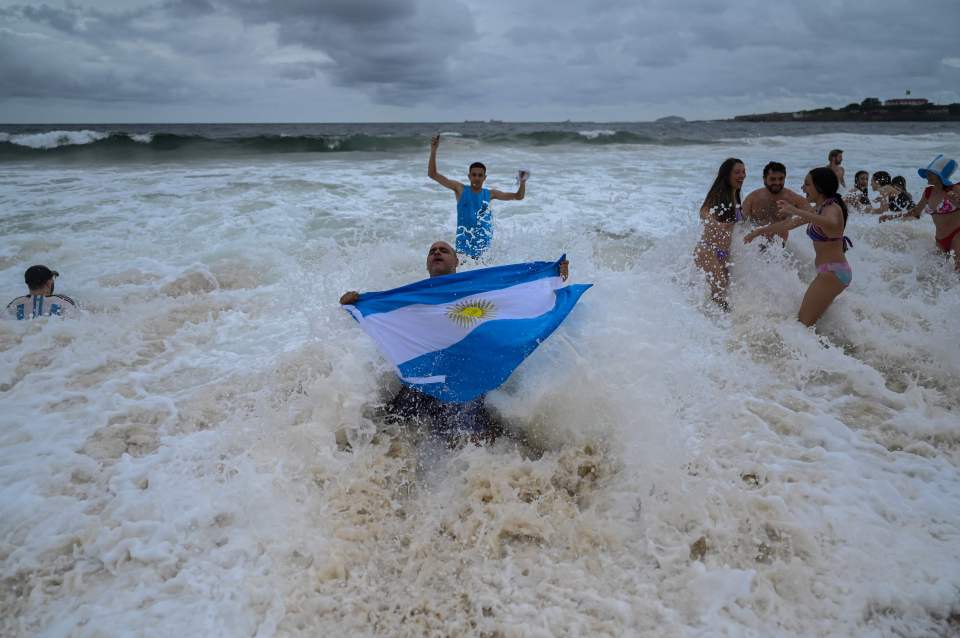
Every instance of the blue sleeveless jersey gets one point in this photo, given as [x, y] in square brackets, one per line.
[474, 222]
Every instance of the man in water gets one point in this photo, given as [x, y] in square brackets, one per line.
[450, 420]
[760, 206]
[474, 217]
[859, 197]
[40, 300]
[834, 160]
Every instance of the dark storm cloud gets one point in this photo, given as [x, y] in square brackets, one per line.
[500, 59]
[399, 49]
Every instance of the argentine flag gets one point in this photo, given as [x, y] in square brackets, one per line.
[456, 337]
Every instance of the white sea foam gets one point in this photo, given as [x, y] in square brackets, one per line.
[594, 134]
[143, 138]
[168, 460]
[53, 139]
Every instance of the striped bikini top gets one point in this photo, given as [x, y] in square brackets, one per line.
[816, 233]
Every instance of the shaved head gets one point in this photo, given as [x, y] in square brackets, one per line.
[441, 259]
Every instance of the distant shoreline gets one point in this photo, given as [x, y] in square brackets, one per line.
[870, 110]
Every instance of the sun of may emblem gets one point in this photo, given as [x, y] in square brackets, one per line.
[468, 312]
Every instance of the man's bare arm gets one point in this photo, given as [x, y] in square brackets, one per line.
[521, 192]
[747, 207]
[435, 175]
[796, 199]
[781, 228]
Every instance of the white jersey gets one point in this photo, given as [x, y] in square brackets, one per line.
[33, 306]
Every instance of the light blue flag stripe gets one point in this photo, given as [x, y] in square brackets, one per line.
[486, 357]
[480, 360]
[447, 288]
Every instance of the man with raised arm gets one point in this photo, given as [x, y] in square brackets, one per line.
[447, 419]
[474, 217]
[760, 206]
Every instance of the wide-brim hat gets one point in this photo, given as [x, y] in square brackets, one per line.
[941, 167]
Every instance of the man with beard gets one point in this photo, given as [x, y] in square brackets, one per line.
[834, 159]
[40, 300]
[760, 206]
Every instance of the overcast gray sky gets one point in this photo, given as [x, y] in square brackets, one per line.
[447, 60]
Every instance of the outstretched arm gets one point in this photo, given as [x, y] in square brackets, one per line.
[780, 228]
[797, 199]
[435, 175]
[830, 219]
[495, 194]
[913, 212]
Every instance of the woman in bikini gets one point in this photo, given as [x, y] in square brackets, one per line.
[942, 200]
[825, 227]
[719, 212]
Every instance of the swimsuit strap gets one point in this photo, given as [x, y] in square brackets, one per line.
[816, 233]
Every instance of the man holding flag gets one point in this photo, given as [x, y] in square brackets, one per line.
[456, 336]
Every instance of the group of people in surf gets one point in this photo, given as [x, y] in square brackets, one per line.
[775, 210]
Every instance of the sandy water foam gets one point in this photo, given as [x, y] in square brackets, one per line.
[169, 459]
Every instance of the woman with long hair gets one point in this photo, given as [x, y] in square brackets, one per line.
[904, 200]
[825, 227]
[719, 212]
[942, 200]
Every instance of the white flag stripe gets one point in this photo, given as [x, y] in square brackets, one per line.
[417, 329]
[440, 378]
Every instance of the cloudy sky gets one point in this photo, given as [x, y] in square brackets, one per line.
[446, 60]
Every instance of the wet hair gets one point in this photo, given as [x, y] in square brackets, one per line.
[774, 167]
[833, 154]
[882, 177]
[827, 184]
[900, 182]
[36, 276]
[718, 197]
[858, 174]
[478, 165]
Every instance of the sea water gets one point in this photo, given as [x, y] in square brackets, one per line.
[169, 461]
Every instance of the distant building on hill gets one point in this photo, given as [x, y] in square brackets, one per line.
[907, 102]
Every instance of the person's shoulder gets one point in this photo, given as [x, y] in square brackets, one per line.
[65, 298]
[20, 299]
[754, 194]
